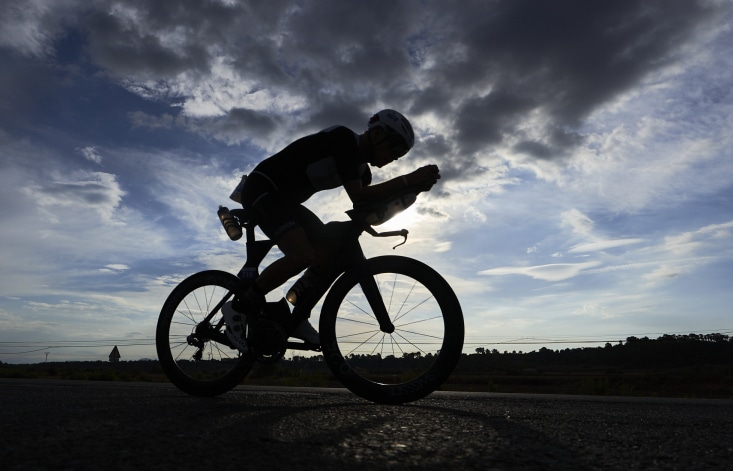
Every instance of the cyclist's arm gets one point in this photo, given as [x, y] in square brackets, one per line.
[421, 179]
[367, 194]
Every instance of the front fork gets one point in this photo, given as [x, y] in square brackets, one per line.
[371, 290]
[366, 280]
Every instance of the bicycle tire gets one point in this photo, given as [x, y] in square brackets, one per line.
[188, 350]
[426, 314]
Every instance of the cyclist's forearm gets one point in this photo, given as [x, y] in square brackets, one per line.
[376, 193]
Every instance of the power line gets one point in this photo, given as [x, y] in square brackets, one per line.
[37, 346]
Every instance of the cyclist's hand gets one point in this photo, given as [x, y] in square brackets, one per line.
[423, 178]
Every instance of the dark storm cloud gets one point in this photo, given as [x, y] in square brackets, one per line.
[487, 120]
[249, 118]
[163, 38]
[355, 44]
[562, 58]
[482, 67]
[238, 121]
[126, 49]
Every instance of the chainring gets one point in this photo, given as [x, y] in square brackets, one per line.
[267, 340]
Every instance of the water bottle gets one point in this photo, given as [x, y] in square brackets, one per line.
[234, 230]
[301, 287]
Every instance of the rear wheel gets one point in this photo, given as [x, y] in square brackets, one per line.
[192, 346]
[404, 365]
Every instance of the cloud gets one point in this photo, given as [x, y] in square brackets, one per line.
[98, 191]
[125, 40]
[551, 272]
[523, 74]
[90, 153]
[29, 26]
[579, 223]
[714, 235]
[665, 272]
[676, 255]
[528, 56]
[114, 268]
[601, 245]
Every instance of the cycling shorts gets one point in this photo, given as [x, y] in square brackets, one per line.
[273, 211]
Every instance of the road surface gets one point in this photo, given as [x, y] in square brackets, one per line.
[134, 426]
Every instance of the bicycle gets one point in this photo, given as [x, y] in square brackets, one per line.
[391, 327]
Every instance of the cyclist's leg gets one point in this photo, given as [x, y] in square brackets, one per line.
[298, 254]
[289, 225]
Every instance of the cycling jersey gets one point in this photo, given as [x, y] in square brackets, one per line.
[277, 186]
[321, 161]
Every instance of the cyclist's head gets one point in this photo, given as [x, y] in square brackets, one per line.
[399, 133]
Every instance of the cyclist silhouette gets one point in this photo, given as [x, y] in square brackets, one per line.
[275, 190]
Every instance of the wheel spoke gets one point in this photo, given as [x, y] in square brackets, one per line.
[409, 362]
[188, 353]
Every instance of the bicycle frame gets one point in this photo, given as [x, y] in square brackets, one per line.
[355, 261]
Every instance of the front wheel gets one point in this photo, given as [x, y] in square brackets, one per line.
[404, 365]
[192, 346]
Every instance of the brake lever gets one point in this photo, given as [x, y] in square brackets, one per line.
[401, 232]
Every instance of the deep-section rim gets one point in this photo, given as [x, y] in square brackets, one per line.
[443, 364]
[220, 285]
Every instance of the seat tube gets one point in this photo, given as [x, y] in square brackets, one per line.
[256, 251]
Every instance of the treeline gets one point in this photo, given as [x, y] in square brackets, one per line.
[635, 353]
[667, 351]
[672, 365]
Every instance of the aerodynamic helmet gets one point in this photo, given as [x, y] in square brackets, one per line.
[396, 125]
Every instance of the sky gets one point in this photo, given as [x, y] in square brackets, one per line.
[585, 152]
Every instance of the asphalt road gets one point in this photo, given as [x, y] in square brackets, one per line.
[135, 426]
